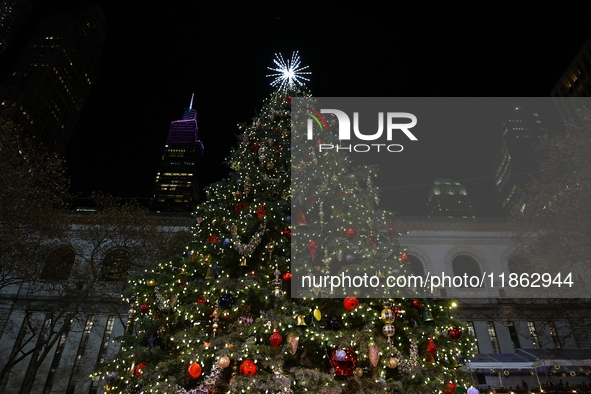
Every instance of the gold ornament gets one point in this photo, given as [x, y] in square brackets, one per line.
[387, 315]
[205, 259]
[224, 361]
[392, 363]
[358, 372]
[300, 321]
[317, 314]
[243, 262]
[270, 248]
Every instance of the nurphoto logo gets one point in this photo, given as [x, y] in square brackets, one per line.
[391, 119]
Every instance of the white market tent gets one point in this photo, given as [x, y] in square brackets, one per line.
[541, 361]
[532, 358]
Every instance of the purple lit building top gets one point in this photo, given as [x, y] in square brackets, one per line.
[185, 130]
[177, 181]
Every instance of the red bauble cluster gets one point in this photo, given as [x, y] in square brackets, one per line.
[248, 367]
[343, 361]
[455, 333]
[313, 248]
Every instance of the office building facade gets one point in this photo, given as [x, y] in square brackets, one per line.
[52, 78]
[176, 187]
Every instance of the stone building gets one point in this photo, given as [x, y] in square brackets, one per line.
[56, 327]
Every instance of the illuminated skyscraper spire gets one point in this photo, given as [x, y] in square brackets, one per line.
[176, 187]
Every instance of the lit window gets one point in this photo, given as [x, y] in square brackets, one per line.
[513, 334]
[554, 334]
[493, 337]
[534, 334]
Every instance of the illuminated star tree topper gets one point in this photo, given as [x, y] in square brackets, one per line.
[288, 74]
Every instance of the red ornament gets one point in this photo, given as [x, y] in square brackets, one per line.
[397, 312]
[350, 233]
[312, 248]
[213, 239]
[201, 300]
[404, 259]
[372, 240]
[392, 232]
[416, 304]
[261, 211]
[286, 232]
[239, 207]
[432, 349]
[275, 338]
[287, 276]
[455, 333]
[343, 361]
[248, 367]
[138, 370]
[194, 370]
[301, 220]
[350, 303]
[451, 388]
[144, 308]
[255, 146]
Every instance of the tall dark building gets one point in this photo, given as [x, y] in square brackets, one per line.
[177, 188]
[12, 15]
[448, 198]
[575, 82]
[516, 158]
[52, 77]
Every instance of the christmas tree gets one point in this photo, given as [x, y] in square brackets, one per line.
[221, 317]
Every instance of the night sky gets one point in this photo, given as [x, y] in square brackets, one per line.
[157, 56]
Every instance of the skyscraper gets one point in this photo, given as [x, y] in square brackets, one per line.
[12, 15]
[448, 198]
[52, 78]
[176, 188]
[516, 158]
[575, 82]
